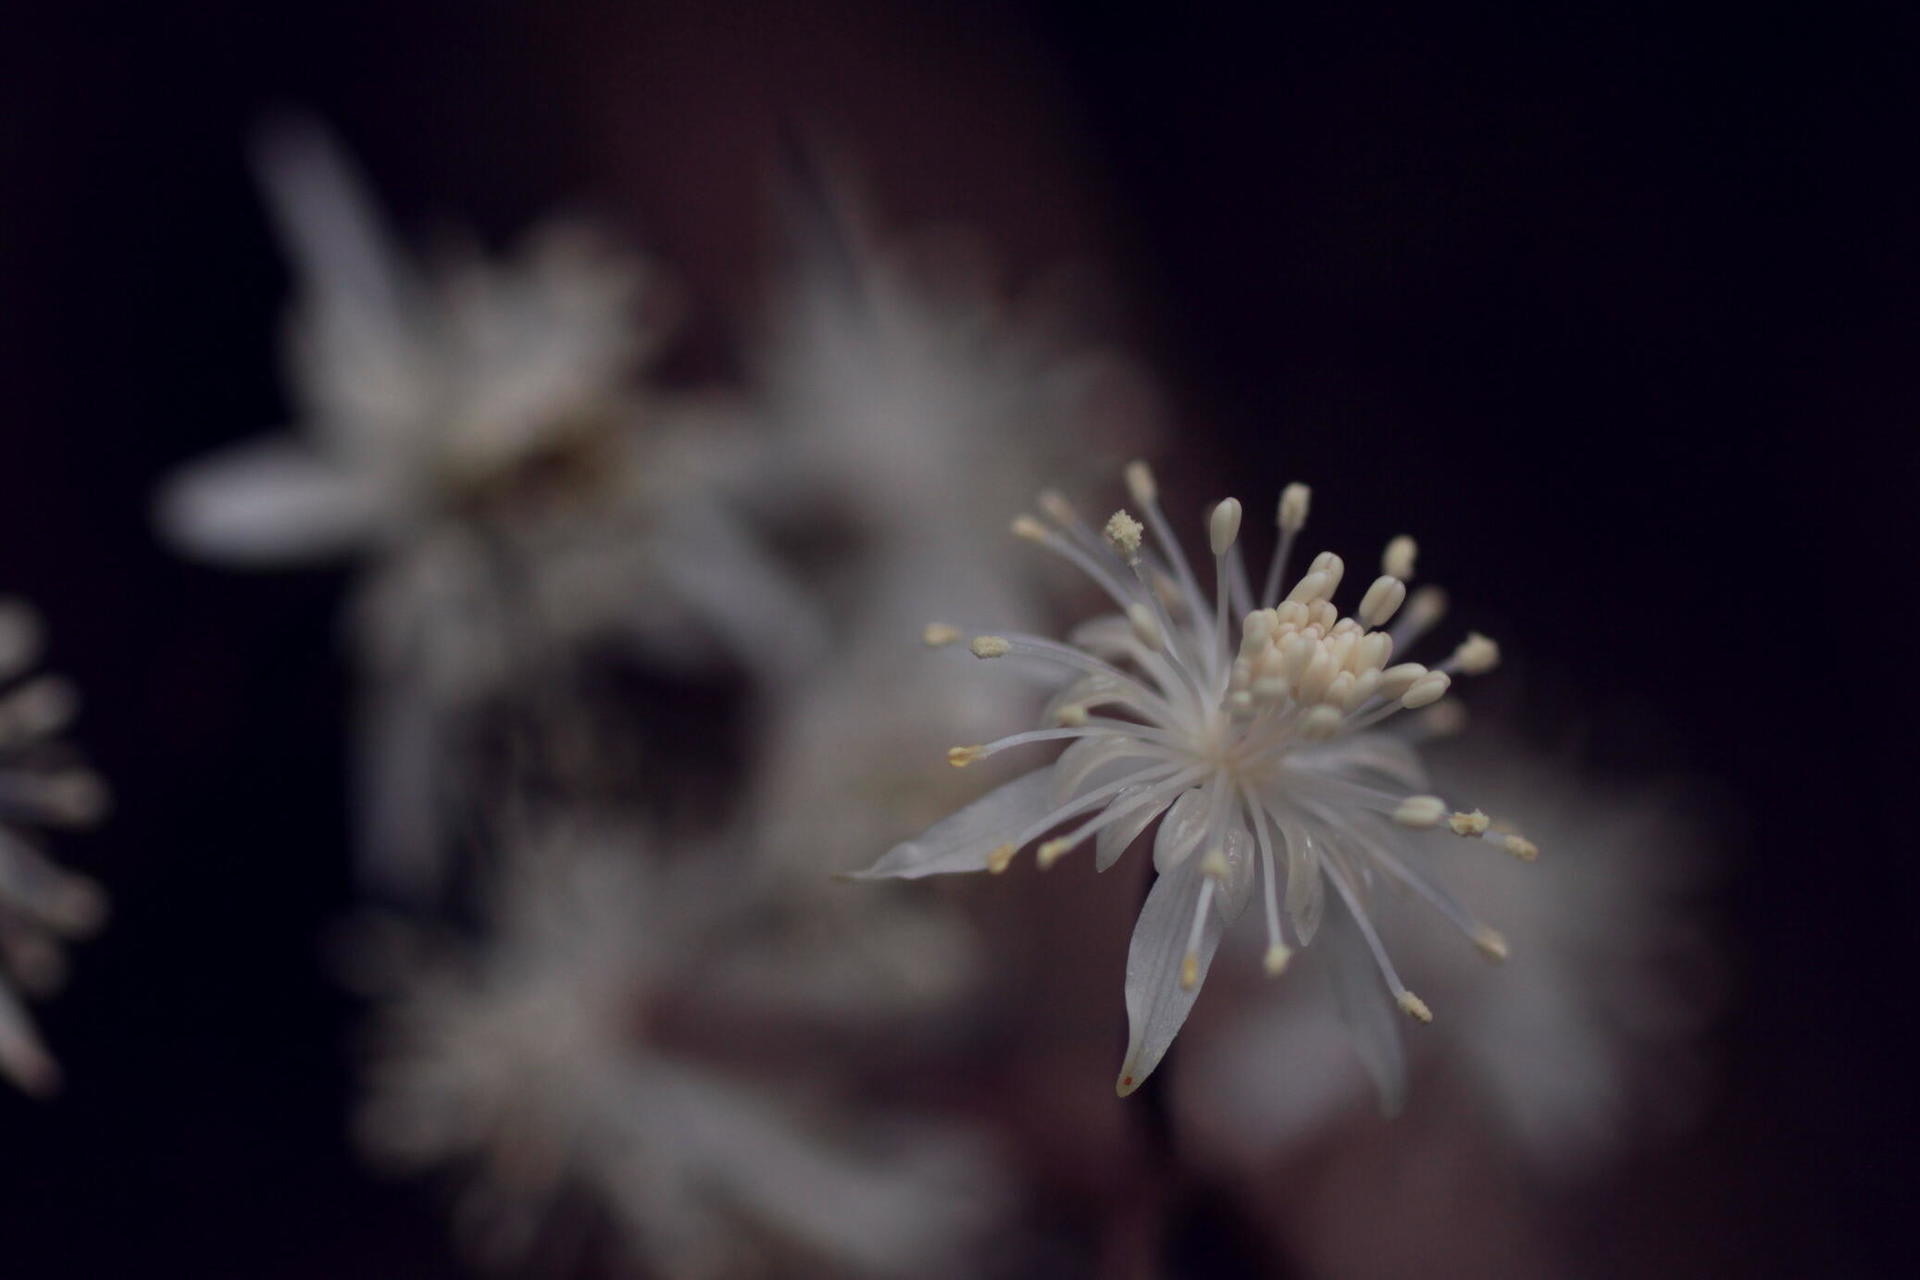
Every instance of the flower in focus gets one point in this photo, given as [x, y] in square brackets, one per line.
[539, 1059]
[42, 784]
[1259, 745]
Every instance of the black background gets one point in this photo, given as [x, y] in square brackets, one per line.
[1613, 306]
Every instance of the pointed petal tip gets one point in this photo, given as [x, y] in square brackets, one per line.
[1125, 1085]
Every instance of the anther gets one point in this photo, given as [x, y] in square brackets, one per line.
[1123, 531]
[1382, 601]
[1026, 526]
[1223, 526]
[938, 635]
[1189, 971]
[1422, 813]
[989, 647]
[1476, 655]
[1057, 508]
[1414, 1007]
[1320, 723]
[1001, 858]
[961, 757]
[1469, 824]
[1425, 691]
[1140, 483]
[1277, 957]
[1521, 847]
[1397, 560]
[1294, 501]
[1052, 851]
[1491, 944]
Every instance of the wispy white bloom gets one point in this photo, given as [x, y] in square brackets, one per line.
[909, 399]
[1555, 1061]
[1251, 727]
[473, 432]
[42, 784]
[538, 1061]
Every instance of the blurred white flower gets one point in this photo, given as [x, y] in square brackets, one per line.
[42, 784]
[474, 433]
[535, 1059]
[1587, 1039]
[911, 403]
[1256, 740]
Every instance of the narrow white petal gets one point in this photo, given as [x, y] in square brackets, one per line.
[1157, 1002]
[965, 840]
[269, 502]
[23, 1059]
[1112, 841]
[1373, 1019]
[1180, 833]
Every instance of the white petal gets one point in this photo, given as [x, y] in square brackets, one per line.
[269, 502]
[1373, 1019]
[1114, 840]
[23, 1059]
[1180, 833]
[1157, 1004]
[1306, 890]
[1091, 762]
[963, 841]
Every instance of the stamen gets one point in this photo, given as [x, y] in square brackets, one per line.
[1382, 601]
[1214, 871]
[1123, 531]
[1057, 508]
[1025, 526]
[1422, 813]
[1519, 846]
[1291, 517]
[1476, 655]
[1397, 560]
[1469, 824]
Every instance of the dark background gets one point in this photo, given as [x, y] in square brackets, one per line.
[1614, 307]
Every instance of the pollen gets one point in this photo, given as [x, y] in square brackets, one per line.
[1124, 532]
[1469, 824]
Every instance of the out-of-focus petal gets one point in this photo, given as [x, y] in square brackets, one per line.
[1373, 1020]
[266, 503]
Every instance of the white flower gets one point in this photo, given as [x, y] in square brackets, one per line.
[909, 400]
[1258, 746]
[1589, 1042]
[538, 1060]
[41, 785]
[474, 435]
